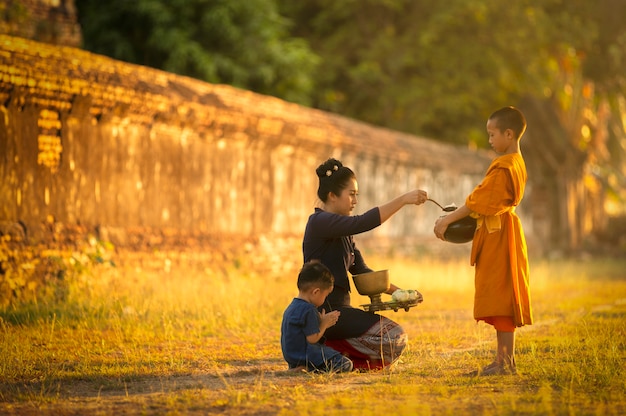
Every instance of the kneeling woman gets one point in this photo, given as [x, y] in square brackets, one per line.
[370, 340]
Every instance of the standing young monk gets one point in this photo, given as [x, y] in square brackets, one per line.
[370, 340]
[499, 252]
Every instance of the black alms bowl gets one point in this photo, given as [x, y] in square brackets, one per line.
[461, 231]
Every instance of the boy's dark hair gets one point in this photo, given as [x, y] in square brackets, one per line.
[314, 273]
[510, 118]
[334, 177]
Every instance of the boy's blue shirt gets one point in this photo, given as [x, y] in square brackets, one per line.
[300, 320]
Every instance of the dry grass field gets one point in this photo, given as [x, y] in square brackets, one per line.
[186, 339]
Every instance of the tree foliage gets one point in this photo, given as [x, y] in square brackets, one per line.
[238, 42]
[438, 68]
[428, 68]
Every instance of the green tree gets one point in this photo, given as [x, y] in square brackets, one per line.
[244, 43]
[427, 68]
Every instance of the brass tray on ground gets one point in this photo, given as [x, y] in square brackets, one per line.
[393, 305]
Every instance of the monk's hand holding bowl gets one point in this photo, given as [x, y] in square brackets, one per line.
[441, 225]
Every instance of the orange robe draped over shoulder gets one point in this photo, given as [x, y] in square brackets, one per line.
[499, 251]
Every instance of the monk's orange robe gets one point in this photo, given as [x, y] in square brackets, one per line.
[499, 251]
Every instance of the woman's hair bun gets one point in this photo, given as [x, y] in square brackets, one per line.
[333, 177]
[327, 168]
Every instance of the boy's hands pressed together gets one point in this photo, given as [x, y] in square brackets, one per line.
[328, 319]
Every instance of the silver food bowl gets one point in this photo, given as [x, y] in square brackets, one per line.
[372, 284]
[461, 231]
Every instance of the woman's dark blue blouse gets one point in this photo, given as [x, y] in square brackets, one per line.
[328, 238]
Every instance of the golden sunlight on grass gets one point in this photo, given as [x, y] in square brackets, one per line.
[193, 339]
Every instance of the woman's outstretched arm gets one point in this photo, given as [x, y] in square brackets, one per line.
[414, 197]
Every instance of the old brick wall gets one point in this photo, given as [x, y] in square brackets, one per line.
[141, 156]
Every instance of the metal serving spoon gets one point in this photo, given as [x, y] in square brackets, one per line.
[447, 208]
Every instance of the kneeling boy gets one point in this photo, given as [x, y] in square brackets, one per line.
[303, 326]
